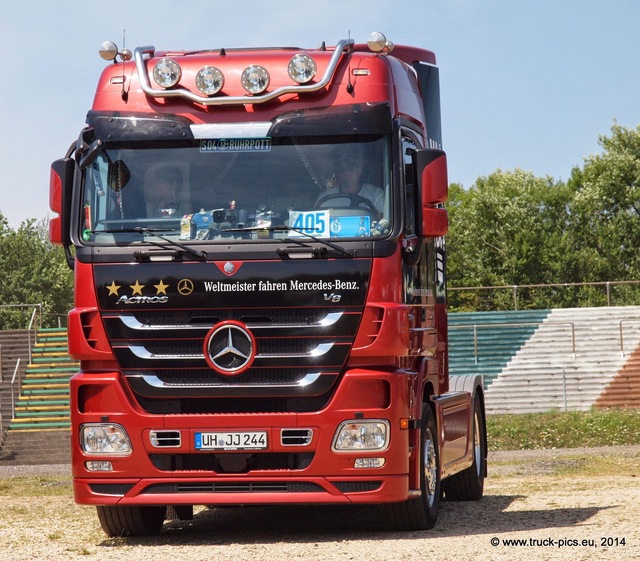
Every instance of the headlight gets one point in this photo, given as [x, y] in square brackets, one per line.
[104, 438]
[362, 435]
[167, 73]
[209, 80]
[302, 68]
[255, 79]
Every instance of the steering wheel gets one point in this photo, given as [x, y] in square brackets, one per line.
[355, 201]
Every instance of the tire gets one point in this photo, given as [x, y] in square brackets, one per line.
[420, 513]
[121, 521]
[468, 485]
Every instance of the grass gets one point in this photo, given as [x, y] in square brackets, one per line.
[534, 431]
[52, 486]
[575, 463]
[599, 466]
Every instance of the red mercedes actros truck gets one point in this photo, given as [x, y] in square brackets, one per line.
[260, 312]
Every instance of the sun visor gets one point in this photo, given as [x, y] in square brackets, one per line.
[135, 127]
[362, 118]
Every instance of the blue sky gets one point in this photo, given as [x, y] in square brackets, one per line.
[524, 83]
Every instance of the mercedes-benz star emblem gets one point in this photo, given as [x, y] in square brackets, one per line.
[230, 349]
[185, 287]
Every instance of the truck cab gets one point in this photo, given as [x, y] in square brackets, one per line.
[257, 237]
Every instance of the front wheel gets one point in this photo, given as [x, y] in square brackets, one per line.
[121, 521]
[420, 513]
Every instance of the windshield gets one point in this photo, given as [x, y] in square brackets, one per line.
[239, 189]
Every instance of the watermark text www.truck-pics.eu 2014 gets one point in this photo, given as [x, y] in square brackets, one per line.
[257, 238]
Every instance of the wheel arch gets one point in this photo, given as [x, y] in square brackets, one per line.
[474, 384]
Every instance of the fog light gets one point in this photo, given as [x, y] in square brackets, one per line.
[105, 438]
[94, 465]
[369, 462]
[362, 435]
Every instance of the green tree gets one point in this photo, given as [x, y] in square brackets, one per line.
[32, 271]
[508, 229]
[605, 214]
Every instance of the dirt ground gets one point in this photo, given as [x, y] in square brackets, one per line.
[538, 505]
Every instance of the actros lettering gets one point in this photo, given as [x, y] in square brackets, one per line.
[142, 300]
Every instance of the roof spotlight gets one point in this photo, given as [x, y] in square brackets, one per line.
[302, 68]
[255, 79]
[167, 73]
[209, 80]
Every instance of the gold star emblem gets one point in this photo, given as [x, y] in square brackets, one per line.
[161, 288]
[113, 288]
[136, 288]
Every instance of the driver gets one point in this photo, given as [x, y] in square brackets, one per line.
[349, 179]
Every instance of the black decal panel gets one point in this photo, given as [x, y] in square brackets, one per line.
[252, 284]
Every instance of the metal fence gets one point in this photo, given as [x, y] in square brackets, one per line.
[604, 294]
[474, 327]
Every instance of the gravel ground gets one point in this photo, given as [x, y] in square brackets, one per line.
[553, 517]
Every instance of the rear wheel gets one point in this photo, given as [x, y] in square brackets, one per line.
[420, 513]
[119, 521]
[468, 485]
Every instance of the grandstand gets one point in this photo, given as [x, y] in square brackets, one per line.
[35, 406]
[540, 360]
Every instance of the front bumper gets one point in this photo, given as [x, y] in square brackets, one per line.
[284, 473]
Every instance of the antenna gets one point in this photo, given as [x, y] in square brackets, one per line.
[124, 93]
[349, 84]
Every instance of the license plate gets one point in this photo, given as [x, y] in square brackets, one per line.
[250, 440]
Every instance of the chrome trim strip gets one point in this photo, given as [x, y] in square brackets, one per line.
[330, 319]
[141, 352]
[153, 381]
[132, 323]
[141, 52]
[320, 350]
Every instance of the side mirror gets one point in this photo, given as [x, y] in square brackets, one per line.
[87, 147]
[90, 154]
[431, 167]
[60, 190]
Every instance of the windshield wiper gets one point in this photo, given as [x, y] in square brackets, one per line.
[201, 255]
[322, 241]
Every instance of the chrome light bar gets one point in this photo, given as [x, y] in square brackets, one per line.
[144, 53]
